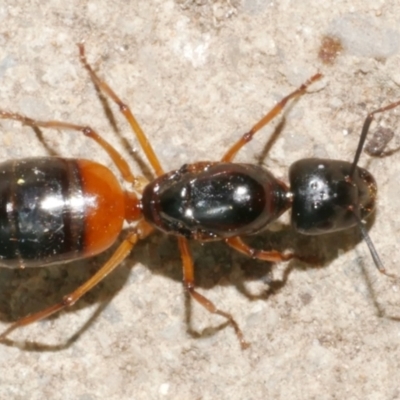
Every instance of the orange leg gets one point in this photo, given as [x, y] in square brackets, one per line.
[268, 255]
[120, 163]
[114, 261]
[188, 281]
[141, 136]
[230, 154]
[271, 255]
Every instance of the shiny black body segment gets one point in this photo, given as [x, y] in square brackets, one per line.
[209, 201]
[325, 197]
[41, 211]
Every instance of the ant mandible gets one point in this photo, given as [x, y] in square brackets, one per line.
[55, 209]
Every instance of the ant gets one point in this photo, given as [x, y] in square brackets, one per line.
[55, 209]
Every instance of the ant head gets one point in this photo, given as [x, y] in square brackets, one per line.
[326, 198]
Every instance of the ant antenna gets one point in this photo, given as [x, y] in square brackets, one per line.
[364, 133]
[364, 233]
[375, 256]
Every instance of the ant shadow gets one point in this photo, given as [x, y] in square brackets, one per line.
[33, 289]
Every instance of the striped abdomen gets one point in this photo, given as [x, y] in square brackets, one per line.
[56, 209]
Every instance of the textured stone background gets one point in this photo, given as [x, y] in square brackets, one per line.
[197, 75]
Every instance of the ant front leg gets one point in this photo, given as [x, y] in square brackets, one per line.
[272, 256]
[188, 281]
[231, 153]
[265, 255]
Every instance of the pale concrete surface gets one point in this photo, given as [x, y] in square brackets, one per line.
[197, 75]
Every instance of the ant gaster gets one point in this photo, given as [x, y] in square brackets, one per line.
[56, 209]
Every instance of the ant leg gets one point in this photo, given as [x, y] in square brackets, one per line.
[114, 261]
[141, 136]
[120, 162]
[188, 281]
[270, 255]
[230, 154]
[267, 255]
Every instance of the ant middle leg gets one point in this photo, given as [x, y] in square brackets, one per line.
[125, 110]
[230, 154]
[188, 281]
